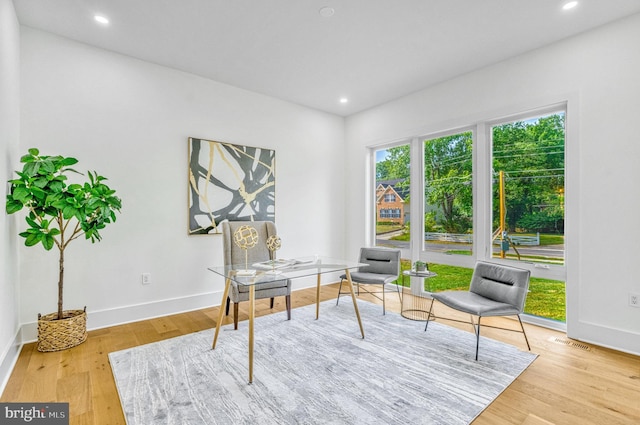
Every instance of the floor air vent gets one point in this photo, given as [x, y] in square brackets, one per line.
[570, 343]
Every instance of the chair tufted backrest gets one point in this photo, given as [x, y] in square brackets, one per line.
[233, 254]
[501, 283]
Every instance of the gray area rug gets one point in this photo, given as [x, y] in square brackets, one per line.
[309, 371]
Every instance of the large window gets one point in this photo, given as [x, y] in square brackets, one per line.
[448, 194]
[491, 191]
[392, 196]
[528, 189]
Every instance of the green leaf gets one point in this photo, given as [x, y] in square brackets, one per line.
[48, 242]
[34, 151]
[48, 166]
[21, 193]
[30, 169]
[13, 206]
[56, 186]
[41, 182]
[69, 212]
[32, 222]
[33, 239]
[68, 161]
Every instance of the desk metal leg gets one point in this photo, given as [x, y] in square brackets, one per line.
[355, 303]
[225, 294]
[252, 314]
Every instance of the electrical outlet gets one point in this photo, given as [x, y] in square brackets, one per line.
[146, 278]
[634, 299]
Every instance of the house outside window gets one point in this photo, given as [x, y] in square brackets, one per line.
[390, 201]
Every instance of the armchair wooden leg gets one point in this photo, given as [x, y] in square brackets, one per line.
[288, 302]
[235, 316]
[227, 309]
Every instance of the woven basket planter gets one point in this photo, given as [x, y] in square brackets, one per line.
[57, 335]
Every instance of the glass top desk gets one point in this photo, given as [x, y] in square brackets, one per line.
[279, 270]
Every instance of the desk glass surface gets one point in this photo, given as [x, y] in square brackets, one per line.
[284, 269]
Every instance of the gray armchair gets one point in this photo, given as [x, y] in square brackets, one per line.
[235, 255]
[495, 290]
[383, 266]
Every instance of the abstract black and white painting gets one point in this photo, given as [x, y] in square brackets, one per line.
[229, 182]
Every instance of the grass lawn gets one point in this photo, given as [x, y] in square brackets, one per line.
[385, 228]
[544, 239]
[546, 297]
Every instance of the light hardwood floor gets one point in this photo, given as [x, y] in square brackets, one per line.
[567, 384]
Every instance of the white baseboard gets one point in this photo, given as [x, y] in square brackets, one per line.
[133, 313]
[9, 359]
[98, 319]
[605, 336]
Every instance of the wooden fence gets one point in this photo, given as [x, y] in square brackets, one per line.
[468, 238]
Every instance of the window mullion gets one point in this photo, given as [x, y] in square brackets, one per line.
[482, 193]
[417, 194]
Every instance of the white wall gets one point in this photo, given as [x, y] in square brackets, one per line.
[597, 73]
[9, 137]
[130, 120]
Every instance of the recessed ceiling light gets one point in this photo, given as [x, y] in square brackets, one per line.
[570, 5]
[101, 19]
[343, 100]
[327, 12]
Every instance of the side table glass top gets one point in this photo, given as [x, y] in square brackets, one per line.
[421, 273]
[280, 269]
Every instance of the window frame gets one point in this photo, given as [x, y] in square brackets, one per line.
[482, 199]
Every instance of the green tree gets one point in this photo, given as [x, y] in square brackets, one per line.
[59, 212]
[396, 166]
[448, 174]
[531, 155]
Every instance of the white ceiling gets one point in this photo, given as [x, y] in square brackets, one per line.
[370, 51]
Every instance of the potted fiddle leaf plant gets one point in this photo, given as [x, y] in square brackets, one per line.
[57, 213]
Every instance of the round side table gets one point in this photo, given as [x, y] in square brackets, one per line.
[415, 306]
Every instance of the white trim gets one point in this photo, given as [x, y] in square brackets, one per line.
[572, 213]
[9, 359]
[482, 197]
[133, 313]
[608, 337]
[480, 126]
[557, 272]
[100, 319]
[544, 322]
[416, 235]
